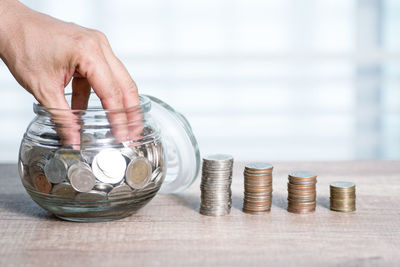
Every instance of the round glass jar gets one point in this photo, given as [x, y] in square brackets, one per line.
[100, 165]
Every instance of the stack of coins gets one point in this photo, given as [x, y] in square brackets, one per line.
[257, 188]
[301, 192]
[343, 196]
[216, 185]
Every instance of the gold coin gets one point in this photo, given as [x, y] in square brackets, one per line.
[138, 173]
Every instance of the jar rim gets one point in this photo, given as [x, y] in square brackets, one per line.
[144, 105]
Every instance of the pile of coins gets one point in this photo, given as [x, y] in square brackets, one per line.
[302, 192]
[92, 174]
[216, 180]
[257, 188]
[343, 196]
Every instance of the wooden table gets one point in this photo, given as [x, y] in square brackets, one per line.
[170, 231]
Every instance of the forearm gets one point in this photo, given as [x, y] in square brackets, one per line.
[10, 21]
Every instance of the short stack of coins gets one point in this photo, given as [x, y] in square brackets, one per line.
[216, 180]
[343, 196]
[302, 192]
[257, 188]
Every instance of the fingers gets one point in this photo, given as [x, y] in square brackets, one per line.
[100, 76]
[80, 93]
[66, 122]
[130, 96]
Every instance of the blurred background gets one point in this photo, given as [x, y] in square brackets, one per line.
[261, 80]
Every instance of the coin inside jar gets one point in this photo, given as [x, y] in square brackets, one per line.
[69, 156]
[55, 170]
[109, 166]
[103, 187]
[64, 190]
[42, 184]
[120, 191]
[82, 179]
[138, 173]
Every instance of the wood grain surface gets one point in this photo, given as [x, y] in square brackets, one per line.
[169, 231]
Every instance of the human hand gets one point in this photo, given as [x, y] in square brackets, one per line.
[44, 54]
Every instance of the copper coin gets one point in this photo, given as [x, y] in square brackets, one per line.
[42, 184]
[302, 182]
[301, 199]
[256, 208]
[251, 173]
[254, 194]
[302, 195]
[304, 207]
[255, 212]
[300, 211]
[257, 181]
[301, 187]
[258, 186]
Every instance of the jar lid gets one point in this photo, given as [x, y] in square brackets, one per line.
[182, 150]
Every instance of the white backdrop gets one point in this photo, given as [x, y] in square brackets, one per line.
[261, 80]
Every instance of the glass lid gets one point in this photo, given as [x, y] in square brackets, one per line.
[182, 150]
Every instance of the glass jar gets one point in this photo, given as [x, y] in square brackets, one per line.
[100, 165]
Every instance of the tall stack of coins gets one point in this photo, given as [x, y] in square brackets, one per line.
[301, 192]
[216, 185]
[257, 188]
[343, 196]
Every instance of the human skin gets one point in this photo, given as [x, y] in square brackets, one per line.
[44, 54]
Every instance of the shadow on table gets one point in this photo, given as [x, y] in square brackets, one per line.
[323, 201]
[188, 200]
[21, 204]
[279, 200]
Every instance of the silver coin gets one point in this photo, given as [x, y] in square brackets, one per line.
[259, 166]
[82, 180]
[21, 169]
[88, 155]
[138, 173]
[303, 174]
[120, 191]
[75, 166]
[92, 195]
[64, 190]
[37, 154]
[109, 166]
[341, 184]
[129, 152]
[218, 157]
[103, 187]
[56, 170]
